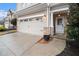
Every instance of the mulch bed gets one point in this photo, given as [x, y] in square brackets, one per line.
[69, 51]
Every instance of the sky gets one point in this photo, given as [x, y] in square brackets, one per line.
[4, 7]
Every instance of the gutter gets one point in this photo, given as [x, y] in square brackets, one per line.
[28, 7]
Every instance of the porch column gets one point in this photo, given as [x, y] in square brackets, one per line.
[48, 19]
[48, 16]
[52, 25]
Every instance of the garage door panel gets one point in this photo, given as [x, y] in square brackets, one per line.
[36, 27]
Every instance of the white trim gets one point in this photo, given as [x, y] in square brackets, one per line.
[52, 20]
[62, 9]
[25, 17]
[47, 16]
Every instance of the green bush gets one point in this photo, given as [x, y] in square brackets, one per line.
[2, 28]
[73, 24]
[73, 20]
[14, 21]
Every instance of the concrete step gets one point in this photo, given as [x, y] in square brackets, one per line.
[60, 36]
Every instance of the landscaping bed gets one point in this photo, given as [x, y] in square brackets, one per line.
[69, 51]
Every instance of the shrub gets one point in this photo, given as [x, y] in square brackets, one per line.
[2, 28]
[73, 24]
[14, 21]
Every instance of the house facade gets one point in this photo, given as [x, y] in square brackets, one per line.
[42, 18]
[7, 20]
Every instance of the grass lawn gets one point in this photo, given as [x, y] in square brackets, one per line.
[7, 32]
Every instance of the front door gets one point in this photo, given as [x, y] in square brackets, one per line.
[60, 25]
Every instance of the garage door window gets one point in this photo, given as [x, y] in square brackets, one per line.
[25, 20]
[37, 19]
[30, 19]
[21, 20]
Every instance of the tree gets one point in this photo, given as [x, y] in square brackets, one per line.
[14, 21]
[73, 23]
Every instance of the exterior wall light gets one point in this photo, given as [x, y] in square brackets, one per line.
[44, 17]
[59, 15]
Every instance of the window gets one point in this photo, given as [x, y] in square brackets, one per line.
[59, 21]
[30, 19]
[37, 19]
[6, 20]
[21, 20]
[26, 20]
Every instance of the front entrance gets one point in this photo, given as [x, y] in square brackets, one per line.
[59, 24]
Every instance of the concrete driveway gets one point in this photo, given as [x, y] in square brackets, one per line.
[17, 44]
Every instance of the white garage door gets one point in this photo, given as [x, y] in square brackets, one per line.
[33, 26]
[36, 26]
[23, 25]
